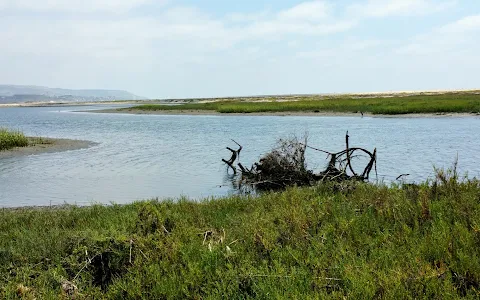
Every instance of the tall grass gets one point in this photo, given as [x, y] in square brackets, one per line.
[457, 103]
[10, 139]
[399, 242]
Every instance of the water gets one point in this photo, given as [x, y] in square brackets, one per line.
[148, 156]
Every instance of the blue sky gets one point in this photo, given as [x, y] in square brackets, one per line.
[208, 48]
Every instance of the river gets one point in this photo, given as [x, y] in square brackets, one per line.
[169, 156]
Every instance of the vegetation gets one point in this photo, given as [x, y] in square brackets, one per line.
[357, 241]
[446, 103]
[10, 139]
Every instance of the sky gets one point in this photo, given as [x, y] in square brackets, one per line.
[213, 48]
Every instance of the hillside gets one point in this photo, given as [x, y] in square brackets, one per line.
[24, 93]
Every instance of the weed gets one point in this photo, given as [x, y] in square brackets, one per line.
[10, 139]
[373, 241]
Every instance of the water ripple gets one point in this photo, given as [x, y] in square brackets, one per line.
[141, 157]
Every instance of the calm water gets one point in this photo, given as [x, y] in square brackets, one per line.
[147, 156]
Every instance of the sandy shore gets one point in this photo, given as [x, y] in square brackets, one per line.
[46, 145]
[199, 112]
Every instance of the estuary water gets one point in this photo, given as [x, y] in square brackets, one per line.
[169, 156]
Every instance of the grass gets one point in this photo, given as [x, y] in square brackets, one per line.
[446, 103]
[10, 139]
[386, 242]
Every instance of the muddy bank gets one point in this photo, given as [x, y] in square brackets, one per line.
[199, 112]
[46, 145]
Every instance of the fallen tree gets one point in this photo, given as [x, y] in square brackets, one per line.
[286, 166]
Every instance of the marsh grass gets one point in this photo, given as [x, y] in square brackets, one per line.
[10, 139]
[447, 103]
[397, 242]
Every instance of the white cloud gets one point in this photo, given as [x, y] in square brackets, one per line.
[187, 28]
[464, 25]
[276, 28]
[456, 37]
[244, 17]
[385, 8]
[352, 47]
[313, 11]
[311, 18]
[77, 6]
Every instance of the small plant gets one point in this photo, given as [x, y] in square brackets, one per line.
[39, 141]
[10, 139]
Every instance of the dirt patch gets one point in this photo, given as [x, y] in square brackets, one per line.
[46, 145]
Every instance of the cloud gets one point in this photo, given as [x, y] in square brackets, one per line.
[456, 37]
[352, 47]
[312, 18]
[245, 17]
[464, 25]
[276, 28]
[81, 6]
[138, 44]
[313, 11]
[386, 8]
[186, 28]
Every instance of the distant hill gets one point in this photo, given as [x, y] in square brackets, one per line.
[31, 93]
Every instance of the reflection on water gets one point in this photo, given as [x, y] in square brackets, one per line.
[146, 156]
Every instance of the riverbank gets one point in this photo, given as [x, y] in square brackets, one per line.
[198, 112]
[431, 105]
[361, 241]
[254, 99]
[38, 145]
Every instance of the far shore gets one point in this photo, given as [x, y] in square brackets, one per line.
[200, 112]
[67, 104]
[46, 145]
[257, 99]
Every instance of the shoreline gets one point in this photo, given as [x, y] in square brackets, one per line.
[198, 112]
[46, 145]
[251, 98]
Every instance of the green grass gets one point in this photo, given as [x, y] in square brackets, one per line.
[446, 103]
[10, 139]
[369, 242]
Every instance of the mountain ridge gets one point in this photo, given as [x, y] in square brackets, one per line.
[27, 93]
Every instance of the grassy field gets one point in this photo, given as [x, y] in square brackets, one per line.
[10, 139]
[400, 242]
[446, 103]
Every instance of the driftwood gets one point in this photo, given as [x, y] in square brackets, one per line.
[286, 166]
[234, 157]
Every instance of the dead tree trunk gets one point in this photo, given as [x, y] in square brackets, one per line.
[234, 157]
